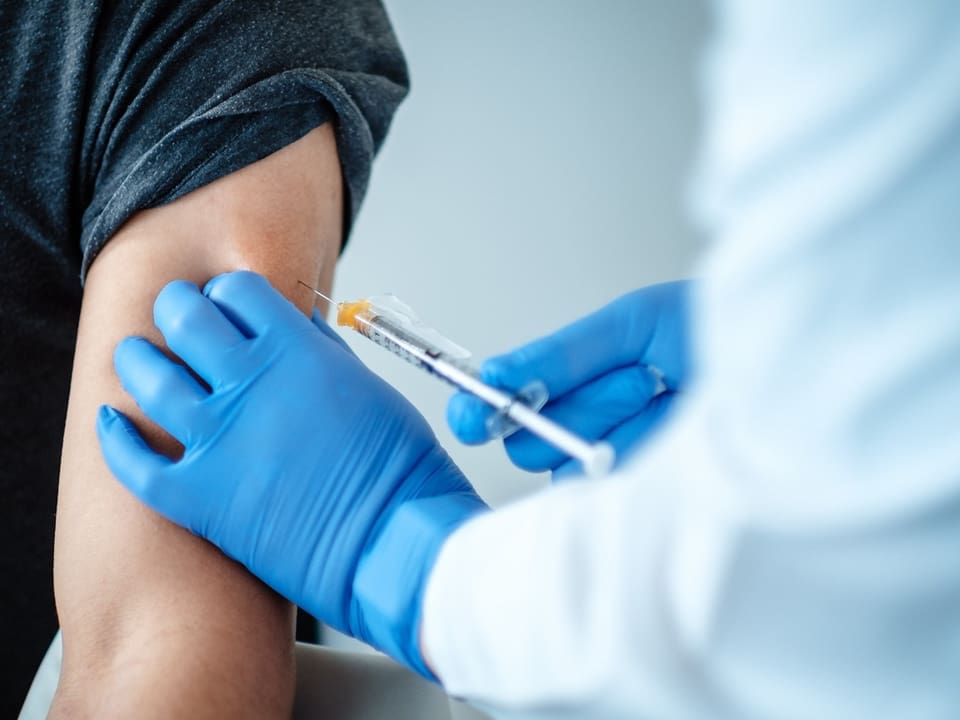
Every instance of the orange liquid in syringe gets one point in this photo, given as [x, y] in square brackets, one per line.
[347, 313]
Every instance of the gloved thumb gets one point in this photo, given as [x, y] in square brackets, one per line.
[141, 470]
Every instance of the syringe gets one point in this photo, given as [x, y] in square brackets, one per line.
[394, 326]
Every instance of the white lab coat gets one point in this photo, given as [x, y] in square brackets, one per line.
[789, 547]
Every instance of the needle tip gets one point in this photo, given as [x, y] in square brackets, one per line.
[317, 292]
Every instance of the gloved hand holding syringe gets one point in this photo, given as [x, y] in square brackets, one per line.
[394, 326]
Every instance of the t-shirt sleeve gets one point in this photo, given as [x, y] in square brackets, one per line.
[183, 93]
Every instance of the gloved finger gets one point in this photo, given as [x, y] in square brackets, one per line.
[141, 470]
[163, 389]
[590, 411]
[467, 416]
[252, 304]
[324, 327]
[641, 327]
[197, 331]
[628, 437]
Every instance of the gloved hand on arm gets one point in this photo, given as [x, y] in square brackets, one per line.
[299, 462]
[611, 375]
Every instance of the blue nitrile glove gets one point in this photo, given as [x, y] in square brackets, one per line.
[611, 375]
[299, 462]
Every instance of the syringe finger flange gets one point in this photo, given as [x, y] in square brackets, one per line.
[534, 395]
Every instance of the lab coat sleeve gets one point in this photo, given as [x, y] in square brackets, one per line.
[788, 546]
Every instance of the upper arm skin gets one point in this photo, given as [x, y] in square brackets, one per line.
[156, 622]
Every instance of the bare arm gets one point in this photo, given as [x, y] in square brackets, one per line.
[157, 623]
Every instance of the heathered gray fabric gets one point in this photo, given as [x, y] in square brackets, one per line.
[114, 106]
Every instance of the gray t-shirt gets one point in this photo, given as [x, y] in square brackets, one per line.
[108, 108]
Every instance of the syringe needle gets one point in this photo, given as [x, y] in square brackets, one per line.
[317, 292]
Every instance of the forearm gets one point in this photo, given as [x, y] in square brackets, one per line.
[163, 625]
[156, 622]
[184, 672]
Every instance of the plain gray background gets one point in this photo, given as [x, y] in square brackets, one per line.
[536, 171]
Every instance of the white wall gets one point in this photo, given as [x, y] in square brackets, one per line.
[535, 172]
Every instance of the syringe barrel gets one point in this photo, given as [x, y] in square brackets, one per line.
[596, 458]
[389, 336]
[416, 351]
